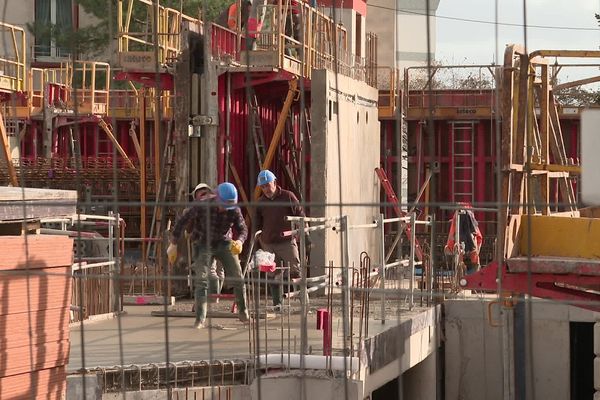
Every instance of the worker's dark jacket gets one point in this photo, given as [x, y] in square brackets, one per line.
[210, 225]
[270, 216]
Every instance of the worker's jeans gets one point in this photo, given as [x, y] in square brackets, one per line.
[216, 277]
[286, 255]
[204, 257]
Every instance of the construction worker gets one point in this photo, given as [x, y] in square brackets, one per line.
[469, 236]
[229, 17]
[273, 206]
[216, 275]
[213, 217]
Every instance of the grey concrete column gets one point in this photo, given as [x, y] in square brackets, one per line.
[84, 387]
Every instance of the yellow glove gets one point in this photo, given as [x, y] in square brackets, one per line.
[172, 253]
[235, 247]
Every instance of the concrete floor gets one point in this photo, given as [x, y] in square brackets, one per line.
[137, 337]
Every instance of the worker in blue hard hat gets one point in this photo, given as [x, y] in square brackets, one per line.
[273, 206]
[212, 220]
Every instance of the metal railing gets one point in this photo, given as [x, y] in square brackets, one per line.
[298, 38]
[96, 270]
[13, 61]
[138, 25]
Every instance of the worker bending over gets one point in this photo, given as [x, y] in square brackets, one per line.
[212, 218]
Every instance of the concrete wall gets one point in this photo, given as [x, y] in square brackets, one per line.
[420, 382]
[343, 163]
[401, 28]
[401, 351]
[474, 369]
[291, 387]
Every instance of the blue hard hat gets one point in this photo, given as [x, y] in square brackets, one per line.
[227, 193]
[265, 176]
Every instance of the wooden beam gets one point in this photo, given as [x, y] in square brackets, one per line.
[579, 82]
[115, 142]
[12, 172]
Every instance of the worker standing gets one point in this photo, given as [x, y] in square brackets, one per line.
[212, 219]
[273, 206]
[229, 17]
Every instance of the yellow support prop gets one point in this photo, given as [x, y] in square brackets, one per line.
[279, 129]
[12, 172]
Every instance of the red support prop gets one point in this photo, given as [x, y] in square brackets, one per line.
[148, 79]
[560, 287]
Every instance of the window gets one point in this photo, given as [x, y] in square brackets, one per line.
[53, 18]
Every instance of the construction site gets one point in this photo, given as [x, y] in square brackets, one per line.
[443, 218]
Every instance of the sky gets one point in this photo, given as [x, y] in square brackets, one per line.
[464, 42]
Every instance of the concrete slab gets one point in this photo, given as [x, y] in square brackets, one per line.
[136, 337]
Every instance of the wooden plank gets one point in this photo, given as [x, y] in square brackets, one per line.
[147, 299]
[11, 194]
[559, 237]
[554, 265]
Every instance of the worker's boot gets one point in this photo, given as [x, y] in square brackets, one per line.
[240, 299]
[276, 296]
[201, 307]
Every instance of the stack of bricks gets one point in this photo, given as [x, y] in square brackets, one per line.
[35, 299]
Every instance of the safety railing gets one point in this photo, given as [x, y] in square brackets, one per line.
[99, 248]
[144, 26]
[389, 95]
[409, 224]
[297, 38]
[13, 72]
[90, 82]
[451, 86]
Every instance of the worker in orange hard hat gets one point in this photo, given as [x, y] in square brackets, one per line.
[229, 17]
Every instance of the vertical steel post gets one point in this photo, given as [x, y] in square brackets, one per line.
[411, 261]
[303, 294]
[111, 266]
[381, 227]
[431, 257]
[345, 276]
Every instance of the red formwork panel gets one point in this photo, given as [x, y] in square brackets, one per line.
[93, 141]
[465, 152]
[235, 136]
[464, 155]
[451, 98]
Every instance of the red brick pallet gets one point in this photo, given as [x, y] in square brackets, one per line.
[35, 297]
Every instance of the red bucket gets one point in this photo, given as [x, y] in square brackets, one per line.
[267, 268]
